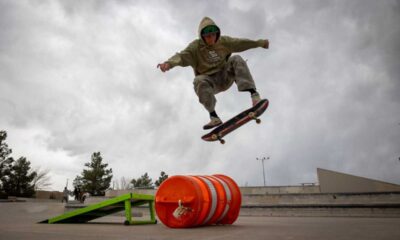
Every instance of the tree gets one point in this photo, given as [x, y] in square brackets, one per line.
[161, 179]
[5, 171]
[115, 185]
[143, 182]
[42, 179]
[18, 181]
[96, 179]
[122, 184]
[4, 150]
[78, 182]
[6, 162]
[15, 178]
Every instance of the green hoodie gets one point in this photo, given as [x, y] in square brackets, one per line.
[206, 59]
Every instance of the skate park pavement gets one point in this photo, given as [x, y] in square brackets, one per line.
[19, 220]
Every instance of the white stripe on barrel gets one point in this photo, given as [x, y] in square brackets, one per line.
[213, 199]
[228, 197]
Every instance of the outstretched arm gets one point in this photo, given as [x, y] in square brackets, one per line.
[266, 44]
[164, 66]
[183, 58]
[243, 44]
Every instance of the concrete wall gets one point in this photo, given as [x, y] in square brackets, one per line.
[280, 190]
[322, 205]
[336, 182]
[322, 199]
[322, 211]
[114, 193]
[48, 195]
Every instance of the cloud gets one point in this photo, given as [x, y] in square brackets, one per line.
[77, 78]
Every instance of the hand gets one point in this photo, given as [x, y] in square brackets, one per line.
[266, 45]
[164, 66]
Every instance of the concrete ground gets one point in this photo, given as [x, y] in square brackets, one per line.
[18, 220]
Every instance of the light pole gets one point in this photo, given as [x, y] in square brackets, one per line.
[262, 161]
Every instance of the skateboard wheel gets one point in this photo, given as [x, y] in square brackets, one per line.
[222, 141]
[214, 137]
[258, 121]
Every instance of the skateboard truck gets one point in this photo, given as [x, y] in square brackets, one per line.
[252, 115]
[217, 137]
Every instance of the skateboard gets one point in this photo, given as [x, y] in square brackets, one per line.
[237, 121]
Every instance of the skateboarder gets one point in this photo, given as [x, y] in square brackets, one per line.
[214, 68]
[65, 195]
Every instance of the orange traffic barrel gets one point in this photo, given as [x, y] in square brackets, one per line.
[191, 201]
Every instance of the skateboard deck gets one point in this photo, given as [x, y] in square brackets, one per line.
[237, 121]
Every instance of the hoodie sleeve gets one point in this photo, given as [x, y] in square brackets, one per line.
[184, 58]
[241, 44]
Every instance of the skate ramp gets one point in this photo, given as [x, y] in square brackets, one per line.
[121, 203]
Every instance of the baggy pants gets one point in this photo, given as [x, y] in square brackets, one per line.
[235, 70]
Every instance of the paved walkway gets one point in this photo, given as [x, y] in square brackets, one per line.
[19, 221]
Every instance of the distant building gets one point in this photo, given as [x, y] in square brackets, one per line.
[337, 182]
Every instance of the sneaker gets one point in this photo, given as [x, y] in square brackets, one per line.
[255, 98]
[215, 121]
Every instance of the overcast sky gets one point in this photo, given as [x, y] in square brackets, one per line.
[77, 77]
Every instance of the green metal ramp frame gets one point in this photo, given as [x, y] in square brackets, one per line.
[107, 207]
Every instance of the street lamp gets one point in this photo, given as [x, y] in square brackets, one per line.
[262, 161]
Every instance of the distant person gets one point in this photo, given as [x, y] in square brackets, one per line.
[76, 196]
[215, 69]
[65, 195]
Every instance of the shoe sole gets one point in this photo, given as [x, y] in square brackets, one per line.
[211, 126]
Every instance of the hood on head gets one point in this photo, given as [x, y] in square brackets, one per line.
[206, 21]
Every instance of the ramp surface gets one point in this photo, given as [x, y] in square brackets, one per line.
[117, 204]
